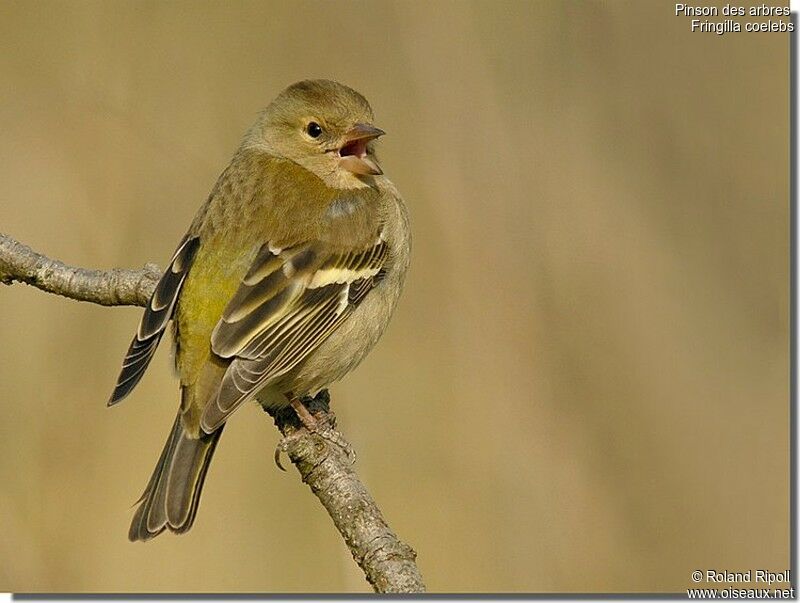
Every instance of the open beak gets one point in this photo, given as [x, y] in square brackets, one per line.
[353, 152]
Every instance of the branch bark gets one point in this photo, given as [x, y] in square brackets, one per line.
[115, 287]
[387, 562]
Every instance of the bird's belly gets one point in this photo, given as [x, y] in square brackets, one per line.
[346, 347]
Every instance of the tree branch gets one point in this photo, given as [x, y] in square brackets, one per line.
[387, 562]
[115, 287]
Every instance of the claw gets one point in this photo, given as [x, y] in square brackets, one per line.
[283, 446]
[278, 450]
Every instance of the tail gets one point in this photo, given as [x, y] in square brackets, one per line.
[173, 493]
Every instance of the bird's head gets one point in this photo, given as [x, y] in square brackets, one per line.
[323, 126]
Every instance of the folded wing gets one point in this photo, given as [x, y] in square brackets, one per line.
[288, 303]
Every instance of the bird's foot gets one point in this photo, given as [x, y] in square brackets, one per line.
[333, 436]
[321, 424]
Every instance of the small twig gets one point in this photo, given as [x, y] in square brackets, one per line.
[387, 562]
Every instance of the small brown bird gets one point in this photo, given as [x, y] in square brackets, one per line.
[286, 279]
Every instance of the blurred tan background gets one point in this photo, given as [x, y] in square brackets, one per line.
[585, 387]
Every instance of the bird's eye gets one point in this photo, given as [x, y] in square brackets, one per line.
[314, 129]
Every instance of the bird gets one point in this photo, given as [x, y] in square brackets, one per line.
[287, 277]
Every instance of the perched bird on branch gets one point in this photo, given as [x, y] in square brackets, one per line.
[285, 280]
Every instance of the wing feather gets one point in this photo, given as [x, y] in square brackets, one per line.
[273, 283]
[156, 317]
[284, 310]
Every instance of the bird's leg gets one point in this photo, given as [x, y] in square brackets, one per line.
[308, 420]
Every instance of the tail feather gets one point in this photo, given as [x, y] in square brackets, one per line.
[171, 497]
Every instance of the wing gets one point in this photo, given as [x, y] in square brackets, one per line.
[288, 303]
[156, 316]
